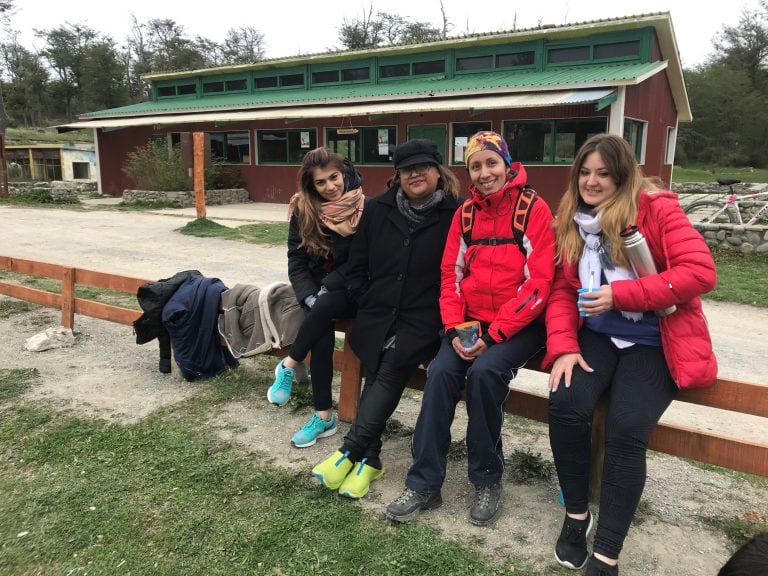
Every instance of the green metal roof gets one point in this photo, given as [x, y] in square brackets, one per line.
[570, 77]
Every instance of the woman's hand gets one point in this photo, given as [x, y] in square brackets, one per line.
[597, 301]
[477, 349]
[563, 368]
[462, 352]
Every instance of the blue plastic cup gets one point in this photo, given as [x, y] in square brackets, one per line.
[583, 296]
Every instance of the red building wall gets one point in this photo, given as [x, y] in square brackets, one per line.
[651, 101]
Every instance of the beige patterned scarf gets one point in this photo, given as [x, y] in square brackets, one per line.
[343, 215]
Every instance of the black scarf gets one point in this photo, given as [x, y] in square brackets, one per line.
[415, 215]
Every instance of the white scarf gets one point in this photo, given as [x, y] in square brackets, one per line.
[596, 260]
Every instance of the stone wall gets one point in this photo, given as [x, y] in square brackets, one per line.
[186, 198]
[59, 190]
[736, 237]
[744, 239]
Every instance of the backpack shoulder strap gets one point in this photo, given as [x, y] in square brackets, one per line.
[522, 214]
[467, 220]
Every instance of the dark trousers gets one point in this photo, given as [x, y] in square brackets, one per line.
[639, 388]
[486, 385]
[381, 394]
[316, 335]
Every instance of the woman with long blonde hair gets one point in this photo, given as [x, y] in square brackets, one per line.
[604, 336]
[325, 212]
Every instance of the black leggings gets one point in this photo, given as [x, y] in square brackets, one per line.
[316, 335]
[639, 388]
[378, 401]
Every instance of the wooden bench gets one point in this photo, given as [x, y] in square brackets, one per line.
[701, 445]
[676, 440]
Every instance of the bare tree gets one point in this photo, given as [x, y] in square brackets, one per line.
[243, 45]
[385, 29]
[447, 25]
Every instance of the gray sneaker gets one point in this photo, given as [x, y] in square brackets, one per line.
[486, 505]
[407, 506]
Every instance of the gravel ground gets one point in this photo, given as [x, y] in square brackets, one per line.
[106, 375]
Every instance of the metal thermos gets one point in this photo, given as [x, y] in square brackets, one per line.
[639, 256]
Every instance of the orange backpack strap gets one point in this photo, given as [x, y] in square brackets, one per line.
[522, 213]
[467, 220]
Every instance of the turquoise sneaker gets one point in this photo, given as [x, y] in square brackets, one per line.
[280, 392]
[333, 470]
[357, 482]
[315, 428]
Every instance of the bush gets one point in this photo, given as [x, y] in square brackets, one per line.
[153, 167]
[221, 176]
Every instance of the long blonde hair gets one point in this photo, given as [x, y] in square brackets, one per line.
[616, 213]
[306, 202]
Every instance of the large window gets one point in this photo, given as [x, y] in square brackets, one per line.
[285, 146]
[549, 141]
[369, 145]
[231, 147]
[462, 132]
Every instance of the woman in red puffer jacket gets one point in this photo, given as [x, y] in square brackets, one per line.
[611, 341]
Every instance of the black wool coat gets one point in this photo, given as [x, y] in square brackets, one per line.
[394, 275]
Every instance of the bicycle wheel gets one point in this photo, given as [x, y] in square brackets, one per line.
[709, 212]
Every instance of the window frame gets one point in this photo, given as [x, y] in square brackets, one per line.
[671, 145]
[288, 132]
[638, 145]
[486, 125]
[227, 161]
[551, 140]
[362, 139]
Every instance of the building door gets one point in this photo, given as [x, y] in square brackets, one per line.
[434, 132]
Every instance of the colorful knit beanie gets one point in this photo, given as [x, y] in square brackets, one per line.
[487, 141]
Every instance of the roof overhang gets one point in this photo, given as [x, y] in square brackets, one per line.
[474, 103]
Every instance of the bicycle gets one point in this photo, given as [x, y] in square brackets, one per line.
[727, 209]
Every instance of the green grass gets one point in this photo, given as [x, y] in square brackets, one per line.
[30, 135]
[165, 497]
[39, 197]
[138, 206]
[13, 383]
[740, 530]
[741, 278]
[10, 307]
[525, 467]
[710, 174]
[271, 233]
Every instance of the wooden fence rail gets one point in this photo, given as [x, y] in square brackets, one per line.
[701, 445]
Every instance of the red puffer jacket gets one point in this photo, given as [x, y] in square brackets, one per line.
[687, 271]
[497, 284]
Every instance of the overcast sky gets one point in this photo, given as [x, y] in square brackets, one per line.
[293, 27]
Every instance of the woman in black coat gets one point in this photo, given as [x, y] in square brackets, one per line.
[394, 273]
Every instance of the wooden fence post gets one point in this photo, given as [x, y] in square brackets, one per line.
[68, 298]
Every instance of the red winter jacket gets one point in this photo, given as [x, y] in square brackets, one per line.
[496, 284]
[687, 270]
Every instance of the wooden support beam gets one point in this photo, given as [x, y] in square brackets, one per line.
[198, 143]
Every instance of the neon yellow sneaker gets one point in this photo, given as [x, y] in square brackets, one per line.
[357, 482]
[332, 471]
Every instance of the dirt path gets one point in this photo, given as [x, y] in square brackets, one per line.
[107, 375]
